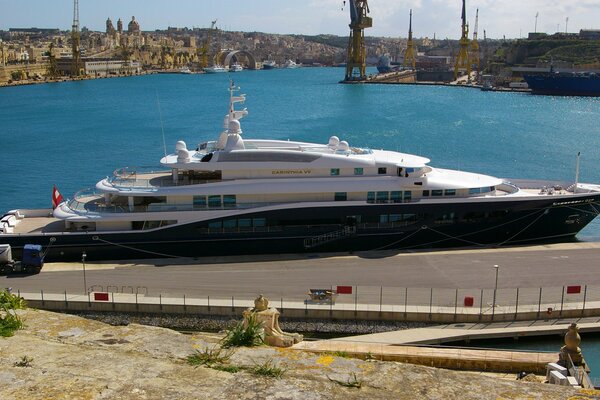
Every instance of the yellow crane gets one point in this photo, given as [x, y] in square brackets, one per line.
[356, 63]
[462, 60]
[475, 46]
[409, 56]
[205, 46]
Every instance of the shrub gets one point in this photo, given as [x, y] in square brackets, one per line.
[268, 368]
[249, 336]
[9, 319]
[209, 356]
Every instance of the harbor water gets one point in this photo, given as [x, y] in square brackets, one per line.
[72, 134]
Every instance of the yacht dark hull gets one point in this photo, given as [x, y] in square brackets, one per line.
[339, 228]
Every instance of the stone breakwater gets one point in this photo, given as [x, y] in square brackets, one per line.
[207, 323]
[60, 356]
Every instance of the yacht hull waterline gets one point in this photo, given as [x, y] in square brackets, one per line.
[238, 196]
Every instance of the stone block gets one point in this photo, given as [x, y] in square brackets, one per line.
[555, 367]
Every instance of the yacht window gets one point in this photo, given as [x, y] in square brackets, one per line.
[199, 201]
[474, 191]
[450, 192]
[396, 197]
[341, 196]
[245, 223]
[395, 217]
[407, 195]
[371, 197]
[425, 193]
[410, 170]
[229, 200]
[383, 219]
[382, 197]
[230, 223]
[400, 169]
[382, 170]
[437, 192]
[207, 157]
[214, 201]
[419, 183]
[358, 171]
[335, 171]
[259, 222]
[215, 225]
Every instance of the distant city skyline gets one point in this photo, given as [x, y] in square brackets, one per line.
[510, 18]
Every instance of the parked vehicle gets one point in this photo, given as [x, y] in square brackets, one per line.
[32, 262]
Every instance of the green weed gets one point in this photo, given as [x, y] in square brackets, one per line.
[268, 368]
[244, 336]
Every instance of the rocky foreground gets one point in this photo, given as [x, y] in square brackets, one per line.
[59, 356]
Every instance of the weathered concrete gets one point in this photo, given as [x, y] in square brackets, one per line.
[74, 358]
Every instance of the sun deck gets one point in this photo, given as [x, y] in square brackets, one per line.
[39, 225]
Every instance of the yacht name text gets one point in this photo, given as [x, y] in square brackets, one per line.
[291, 172]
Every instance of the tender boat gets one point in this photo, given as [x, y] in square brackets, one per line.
[215, 69]
[269, 64]
[290, 64]
[185, 70]
[236, 68]
[237, 195]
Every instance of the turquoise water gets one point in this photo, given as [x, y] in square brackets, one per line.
[590, 347]
[73, 134]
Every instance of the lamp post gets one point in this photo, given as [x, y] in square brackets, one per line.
[83, 256]
[497, 268]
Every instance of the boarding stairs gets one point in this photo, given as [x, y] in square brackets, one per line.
[328, 237]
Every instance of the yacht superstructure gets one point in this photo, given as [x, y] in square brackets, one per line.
[236, 195]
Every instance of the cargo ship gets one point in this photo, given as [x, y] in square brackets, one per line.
[241, 195]
[565, 83]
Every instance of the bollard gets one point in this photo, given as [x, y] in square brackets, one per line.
[160, 300]
[562, 300]
[584, 298]
[405, 300]
[66, 302]
[539, 304]
[517, 305]
[455, 304]
[380, 299]
[42, 292]
[481, 305]
[430, 302]
[184, 306]
[136, 301]
[281, 305]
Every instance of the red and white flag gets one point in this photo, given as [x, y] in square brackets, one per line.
[56, 197]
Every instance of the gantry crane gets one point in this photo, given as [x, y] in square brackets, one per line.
[475, 46]
[410, 60]
[356, 63]
[75, 41]
[206, 45]
[462, 60]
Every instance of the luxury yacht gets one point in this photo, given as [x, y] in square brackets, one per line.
[215, 69]
[237, 195]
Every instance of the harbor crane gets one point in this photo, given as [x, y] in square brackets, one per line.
[75, 42]
[462, 60]
[205, 46]
[410, 60]
[356, 63]
[475, 64]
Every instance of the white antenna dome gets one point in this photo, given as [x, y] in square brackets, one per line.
[334, 141]
[183, 156]
[235, 127]
[180, 145]
[344, 146]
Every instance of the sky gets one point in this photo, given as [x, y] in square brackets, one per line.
[509, 18]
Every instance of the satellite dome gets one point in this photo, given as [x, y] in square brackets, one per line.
[334, 141]
[180, 145]
[344, 146]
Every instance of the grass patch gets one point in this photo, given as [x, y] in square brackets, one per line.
[351, 382]
[341, 354]
[209, 356]
[268, 368]
[9, 319]
[244, 336]
[227, 368]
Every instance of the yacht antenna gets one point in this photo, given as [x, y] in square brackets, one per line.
[162, 127]
[576, 173]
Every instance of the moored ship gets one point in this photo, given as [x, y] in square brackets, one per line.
[236, 195]
[565, 83]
